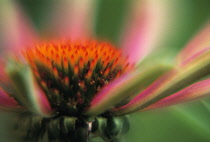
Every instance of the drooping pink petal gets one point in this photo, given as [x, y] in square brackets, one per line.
[148, 93]
[198, 44]
[143, 29]
[196, 90]
[124, 87]
[73, 18]
[15, 30]
[5, 100]
[168, 84]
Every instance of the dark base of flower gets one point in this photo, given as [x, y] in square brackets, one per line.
[72, 129]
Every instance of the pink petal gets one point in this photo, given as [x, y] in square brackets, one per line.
[15, 30]
[196, 90]
[194, 57]
[143, 29]
[107, 92]
[168, 84]
[124, 88]
[147, 94]
[43, 102]
[5, 100]
[199, 43]
[73, 18]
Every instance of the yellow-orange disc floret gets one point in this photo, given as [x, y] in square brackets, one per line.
[72, 72]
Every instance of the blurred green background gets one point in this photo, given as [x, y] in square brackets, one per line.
[189, 122]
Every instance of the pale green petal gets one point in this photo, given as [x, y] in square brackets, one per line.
[23, 81]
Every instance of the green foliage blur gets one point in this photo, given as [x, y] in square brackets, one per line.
[189, 122]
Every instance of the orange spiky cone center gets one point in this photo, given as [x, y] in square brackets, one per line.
[71, 73]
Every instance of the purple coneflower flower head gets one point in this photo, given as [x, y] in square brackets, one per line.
[78, 88]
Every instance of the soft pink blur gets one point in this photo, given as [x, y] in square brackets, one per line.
[16, 30]
[143, 29]
[72, 19]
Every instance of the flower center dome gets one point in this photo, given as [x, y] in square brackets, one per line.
[71, 73]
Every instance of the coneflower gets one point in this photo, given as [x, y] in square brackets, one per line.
[78, 89]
